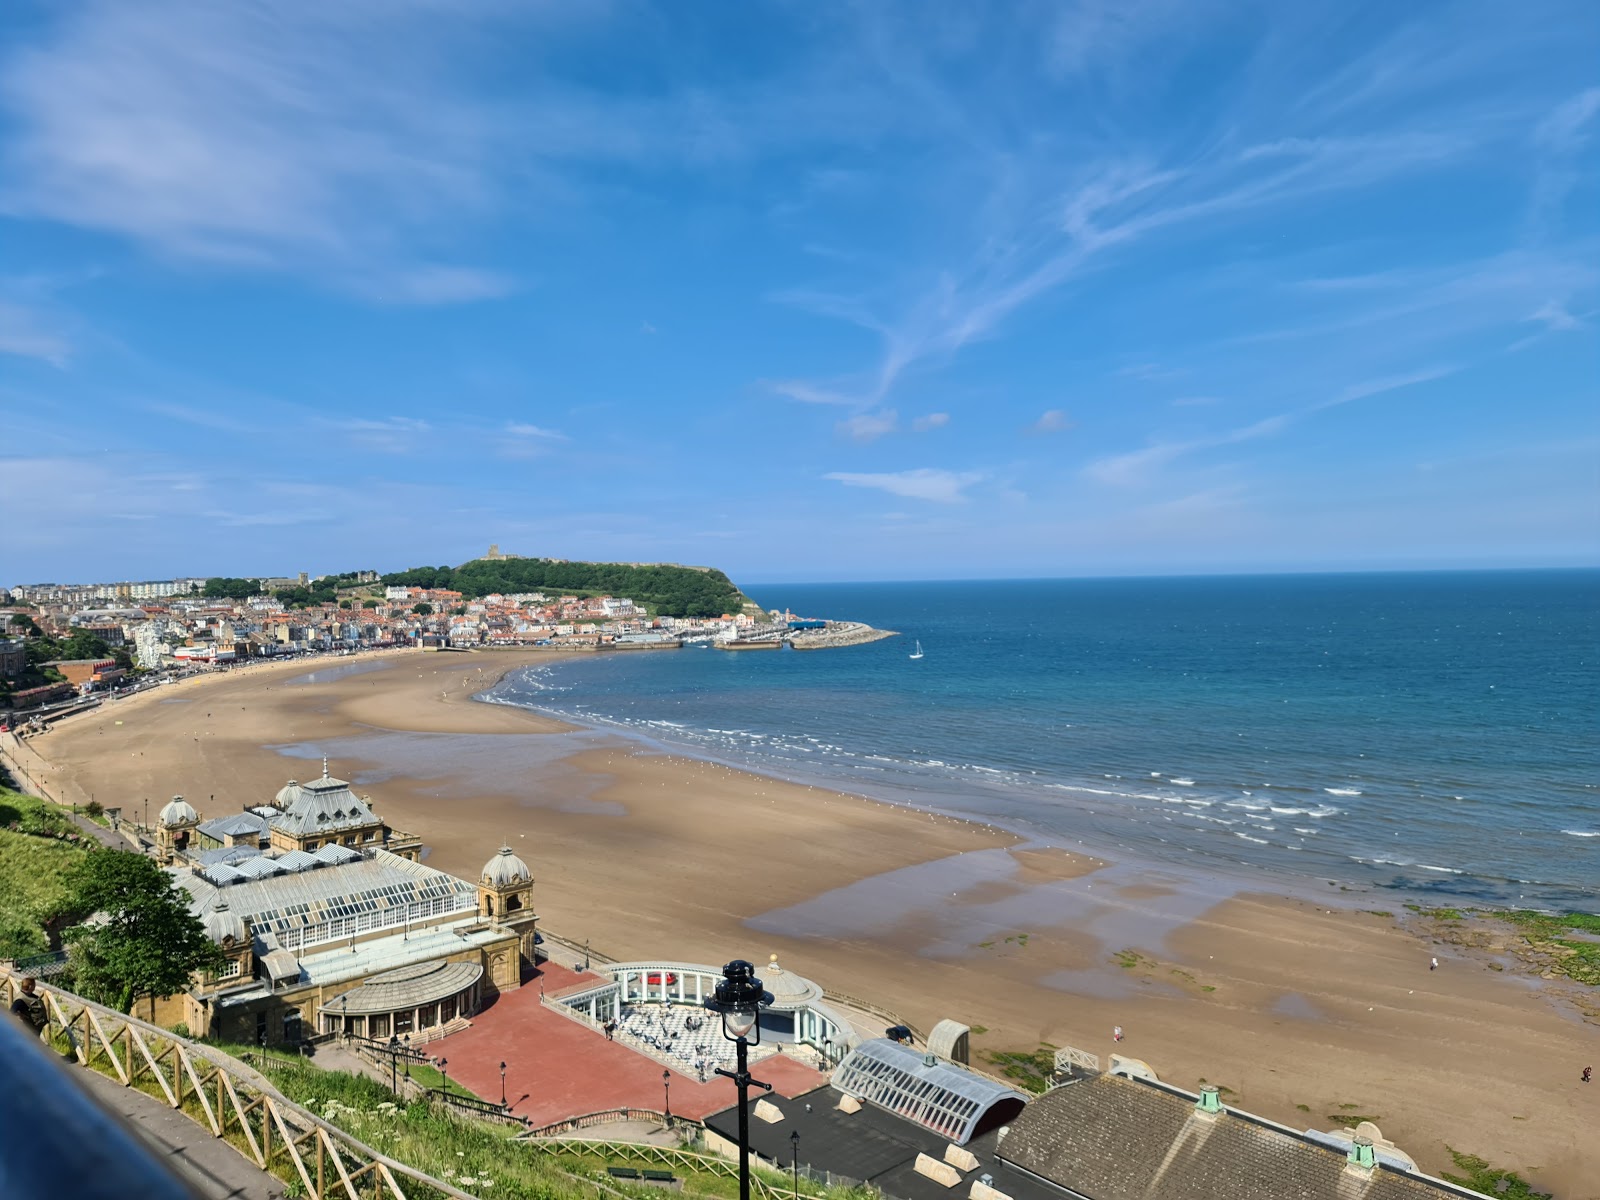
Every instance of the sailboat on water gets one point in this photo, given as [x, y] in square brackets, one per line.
[918, 654]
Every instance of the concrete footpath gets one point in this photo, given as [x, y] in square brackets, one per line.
[212, 1167]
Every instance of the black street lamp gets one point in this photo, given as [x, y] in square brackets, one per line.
[739, 998]
[394, 1064]
[794, 1159]
[666, 1084]
[444, 1073]
[408, 1059]
[502, 1083]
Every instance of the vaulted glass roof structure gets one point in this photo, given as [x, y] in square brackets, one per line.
[940, 1096]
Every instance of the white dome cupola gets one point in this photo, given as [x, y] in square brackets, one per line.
[222, 925]
[178, 811]
[506, 870]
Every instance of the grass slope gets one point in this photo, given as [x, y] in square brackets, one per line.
[31, 866]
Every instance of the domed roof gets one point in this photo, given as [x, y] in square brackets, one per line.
[788, 990]
[289, 793]
[222, 924]
[506, 870]
[177, 811]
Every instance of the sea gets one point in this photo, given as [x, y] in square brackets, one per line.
[1435, 734]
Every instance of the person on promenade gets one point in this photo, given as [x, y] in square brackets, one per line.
[29, 1005]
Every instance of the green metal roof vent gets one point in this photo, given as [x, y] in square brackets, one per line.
[1362, 1155]
[1209, 1101]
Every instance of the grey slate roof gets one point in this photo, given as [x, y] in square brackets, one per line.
[1114, 1138]
[236, 825]
[219, 855]
[323, 805]
[872, 1146]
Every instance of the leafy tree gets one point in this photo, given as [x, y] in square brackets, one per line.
[148, 942]
[80, 645]
[345, 604]
[670, 590]
[422, 610]
[26, 625]
[223, 588]
[369, 604]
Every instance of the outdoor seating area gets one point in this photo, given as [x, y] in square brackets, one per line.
[683, 1036]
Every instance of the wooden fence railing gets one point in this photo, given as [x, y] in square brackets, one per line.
[229, 1099]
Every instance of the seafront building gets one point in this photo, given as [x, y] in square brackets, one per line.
[331, 923]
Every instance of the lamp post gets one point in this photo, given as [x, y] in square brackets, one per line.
[407, 1041]
[666, 1084]
[444, 1073]
[502, 1083]
[739, 998]
[394, 1064]
[794, 1159]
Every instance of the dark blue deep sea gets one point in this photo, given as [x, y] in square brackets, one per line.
[1437, 733]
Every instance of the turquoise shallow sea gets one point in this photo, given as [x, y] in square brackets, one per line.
[1434, 733]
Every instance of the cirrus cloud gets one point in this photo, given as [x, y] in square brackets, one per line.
[922, 483]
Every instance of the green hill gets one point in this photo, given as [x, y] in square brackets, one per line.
[664, 589]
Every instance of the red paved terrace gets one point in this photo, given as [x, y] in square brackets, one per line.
[557, 1068]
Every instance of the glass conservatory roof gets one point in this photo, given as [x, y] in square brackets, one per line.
[942, 1096]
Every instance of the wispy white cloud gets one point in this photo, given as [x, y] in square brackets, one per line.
[1387, 383]
[869, 426]
[930, 421]
[924, 483]
[519, 429]
[390, 435]
[1051, 421]
[808, 393]
[1140, 467]
[1108, 206]
[241, 136]
[27, 334]
[1566, 128]
[204, 418]
[1555, 317]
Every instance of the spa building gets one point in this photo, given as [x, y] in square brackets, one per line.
[330, 923]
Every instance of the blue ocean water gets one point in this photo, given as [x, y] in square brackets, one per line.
[1437, 733]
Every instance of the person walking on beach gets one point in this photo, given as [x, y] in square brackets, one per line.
[1116, 1033]
[1588, 1074]
[1433, 964]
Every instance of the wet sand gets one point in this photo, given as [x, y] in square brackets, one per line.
[1283, 1001]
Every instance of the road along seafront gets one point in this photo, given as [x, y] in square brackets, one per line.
[1302, 1010]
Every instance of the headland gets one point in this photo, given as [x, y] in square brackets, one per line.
[1302, 1011]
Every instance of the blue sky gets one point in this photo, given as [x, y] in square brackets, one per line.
[803, 290]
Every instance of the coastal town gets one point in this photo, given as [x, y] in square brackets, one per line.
[110, 636]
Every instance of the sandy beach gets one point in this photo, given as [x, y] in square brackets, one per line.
[1303, 1012]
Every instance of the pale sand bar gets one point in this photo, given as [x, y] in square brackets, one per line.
[650, 854]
